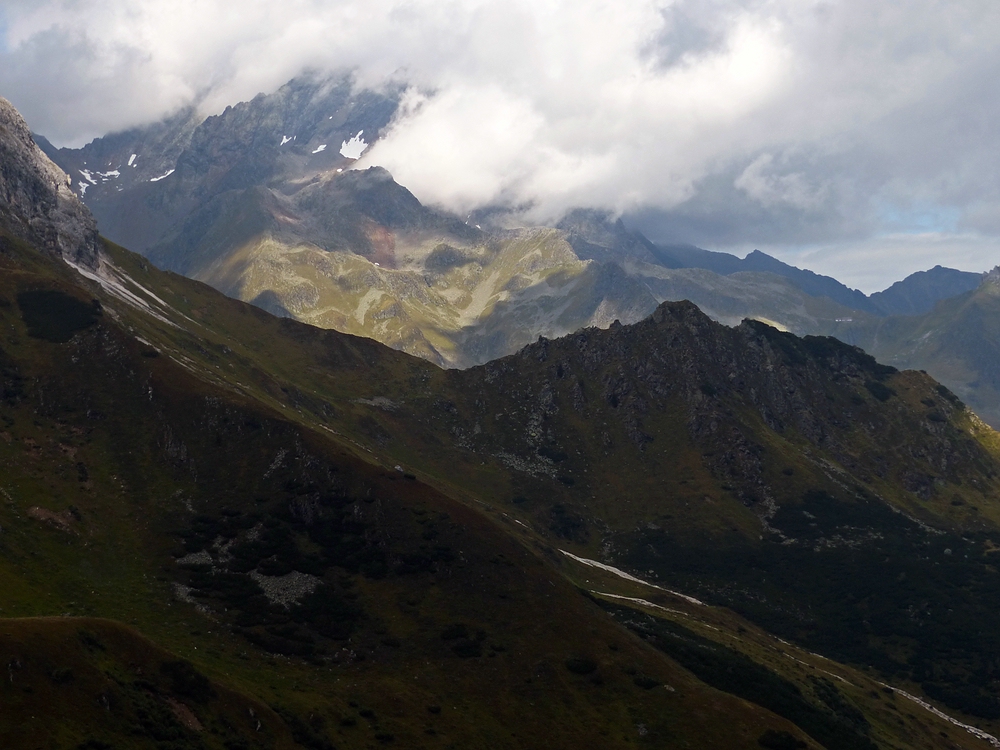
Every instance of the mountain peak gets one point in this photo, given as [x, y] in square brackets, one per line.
[39, 205]
[991, 281]
[599, 235]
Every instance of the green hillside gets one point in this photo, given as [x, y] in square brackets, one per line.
[656, 535]
[355, 604]
[541, 483]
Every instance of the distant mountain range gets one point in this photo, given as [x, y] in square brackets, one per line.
[958, 341]
[265, 202]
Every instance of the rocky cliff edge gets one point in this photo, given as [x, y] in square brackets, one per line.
[36, 202]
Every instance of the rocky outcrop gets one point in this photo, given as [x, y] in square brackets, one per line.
[743, 395]
[36, 202]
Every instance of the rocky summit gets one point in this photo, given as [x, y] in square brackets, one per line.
[36, 199]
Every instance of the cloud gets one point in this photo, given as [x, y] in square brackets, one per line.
[788, 124]
[770, 185]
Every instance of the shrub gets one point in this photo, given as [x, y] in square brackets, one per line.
[61, 675]
[580, 665]
[454, 632]
[879, 390]
[467, 649]
[646, 683]
[55, 316]
[187, 681]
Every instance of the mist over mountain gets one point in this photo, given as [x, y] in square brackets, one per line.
[268, 203]
[824, 135]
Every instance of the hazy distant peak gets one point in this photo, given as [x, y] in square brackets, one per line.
[598, 235]
[920, 291]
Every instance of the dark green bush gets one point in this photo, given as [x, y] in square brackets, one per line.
[646, 683]
[61, 675]
[454, 632]
[467, 649]
[879, 390]
[187, 681]
[581, 665]
[732, 672]
[55, 316]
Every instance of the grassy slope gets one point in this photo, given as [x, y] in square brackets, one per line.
[317, 378]
[434, 437]
[480, 302]
[77, 680]
[115, 461]
[410, 302]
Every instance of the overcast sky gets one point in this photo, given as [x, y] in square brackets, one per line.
[856, 138]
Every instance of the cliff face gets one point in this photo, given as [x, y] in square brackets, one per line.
[36, 202]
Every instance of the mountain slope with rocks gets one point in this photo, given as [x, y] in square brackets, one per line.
[355, 547]
[158, 467]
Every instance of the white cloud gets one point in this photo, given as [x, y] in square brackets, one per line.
[769, 187]
[779, 123]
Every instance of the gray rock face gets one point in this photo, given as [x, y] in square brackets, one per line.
[161, 184]
[36, 202]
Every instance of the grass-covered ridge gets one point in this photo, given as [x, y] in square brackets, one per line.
[227, 483]
[139, 484]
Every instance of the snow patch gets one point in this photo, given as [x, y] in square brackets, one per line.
[284, 139]
[88, 176]
[643, 602]
[974, 731]
[131, 159]
[321, 148]
[114, 282]
[112, 173]
[627, 577]
[162, 176]
[83, 188]
[353, 148]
